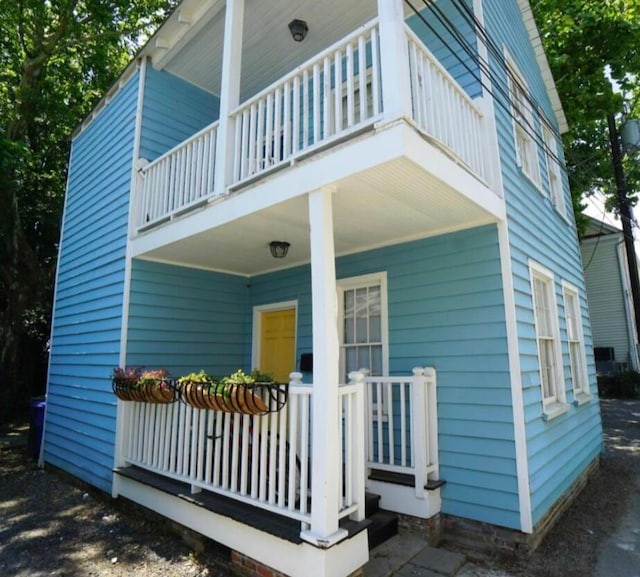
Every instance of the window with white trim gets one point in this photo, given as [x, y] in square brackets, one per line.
[577, 358]
[523, 124]
[553, 170]
[362, 308]
[547, 335]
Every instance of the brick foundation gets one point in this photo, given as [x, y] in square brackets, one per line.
[429, 529]
[482, 540]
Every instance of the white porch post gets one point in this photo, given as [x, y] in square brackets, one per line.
[394, 60]
[229, 92]
[325, 490]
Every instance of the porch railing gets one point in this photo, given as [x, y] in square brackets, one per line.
[181, 178]
[402, 434]
[322, 100]
[261, 460]
[444, 110]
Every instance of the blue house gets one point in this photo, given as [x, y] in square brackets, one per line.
[429, 315]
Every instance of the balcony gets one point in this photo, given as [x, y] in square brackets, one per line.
[334, 99]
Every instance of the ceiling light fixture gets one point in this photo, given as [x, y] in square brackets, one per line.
[298, 29]
[279, 248]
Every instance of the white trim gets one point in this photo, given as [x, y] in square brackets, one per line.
[257, 328]
[55, 301]
[551, 406]
[579, 395]
[363, 281]
[543, 64]
[133, 190]
[628, 303]
[296, 560]
[515, 370]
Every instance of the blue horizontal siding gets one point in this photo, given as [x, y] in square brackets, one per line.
[558, 450]
[185, 320]
[173, 110]
[446, 310]
[436, 35]
[87, 316]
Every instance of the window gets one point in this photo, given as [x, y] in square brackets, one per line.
[577, 359]
[548, 341]
[363, 324]
[523, 124]
[553, 170]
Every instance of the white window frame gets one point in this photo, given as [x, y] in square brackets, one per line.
[577, 358]
[554, 404]
[526, 147]
[365, 281]
[554, 175]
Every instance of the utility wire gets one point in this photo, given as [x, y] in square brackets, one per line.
[497, 86]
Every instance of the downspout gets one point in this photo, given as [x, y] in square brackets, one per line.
[628, 306]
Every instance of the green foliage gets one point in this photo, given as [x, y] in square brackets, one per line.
[589, 44]
[57, 59]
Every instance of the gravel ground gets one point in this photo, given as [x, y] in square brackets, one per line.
[49, 527]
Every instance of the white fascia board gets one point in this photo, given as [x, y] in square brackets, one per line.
[543, 63]
[189, 15]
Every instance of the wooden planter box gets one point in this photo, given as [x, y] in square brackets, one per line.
[249, 399]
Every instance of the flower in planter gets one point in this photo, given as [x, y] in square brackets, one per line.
[157, 377]
[127, 376]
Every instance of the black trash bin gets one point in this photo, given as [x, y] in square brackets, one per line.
[36, 425]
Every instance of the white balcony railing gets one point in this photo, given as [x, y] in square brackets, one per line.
[260, 460]
[444, 110]
[180, 179]
[402, 433]
[333, 96]
[327, 97]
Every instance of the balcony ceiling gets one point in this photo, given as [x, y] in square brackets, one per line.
[269, 52]
[390, 204]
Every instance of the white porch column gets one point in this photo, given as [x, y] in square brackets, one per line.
[229, 92]
[325, 490]
[394, 60]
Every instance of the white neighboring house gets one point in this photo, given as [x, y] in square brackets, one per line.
[606, 274]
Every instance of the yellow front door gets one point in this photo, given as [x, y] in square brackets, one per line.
[277, 344]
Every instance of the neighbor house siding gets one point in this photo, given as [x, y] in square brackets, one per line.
[172, 111]
[605, 294]
[446, 310]
[185, 319]
[558, 450]
[87, 317]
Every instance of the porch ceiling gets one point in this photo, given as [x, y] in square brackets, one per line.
[268, 51]
[389, 204]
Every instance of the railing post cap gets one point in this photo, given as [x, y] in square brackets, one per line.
[364, 371]
[356, 376]
[430, 372]
[295, 377]
[418, 371]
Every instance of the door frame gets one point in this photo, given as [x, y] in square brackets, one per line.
[257, 328]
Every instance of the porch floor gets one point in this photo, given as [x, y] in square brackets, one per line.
[272, 523]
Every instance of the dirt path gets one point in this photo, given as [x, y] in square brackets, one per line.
[49, 528]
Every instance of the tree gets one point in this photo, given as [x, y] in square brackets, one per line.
[593, 48]
[57, 57]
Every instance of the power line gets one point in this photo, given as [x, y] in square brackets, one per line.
[497, 86]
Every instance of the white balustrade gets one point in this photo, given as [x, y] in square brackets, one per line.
[178, 180]
[402, 432]
[261, 460]
[444, 110]
[324, 99]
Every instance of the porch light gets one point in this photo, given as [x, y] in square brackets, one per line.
[298, 29]
[279, 248]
